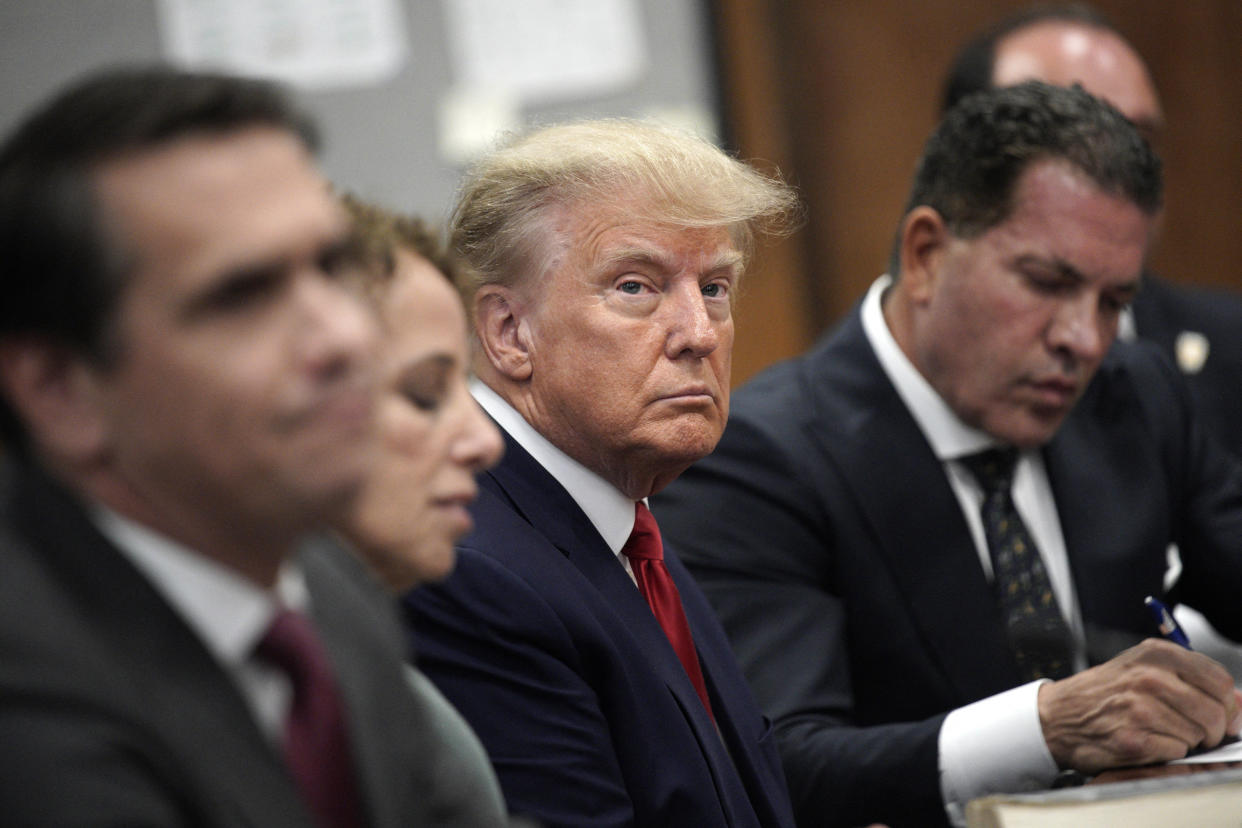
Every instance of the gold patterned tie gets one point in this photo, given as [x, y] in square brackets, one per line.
[1038, 633]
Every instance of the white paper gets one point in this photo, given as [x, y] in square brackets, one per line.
[472, 119]
[314, 44]
[546, 50]
[1228, 752]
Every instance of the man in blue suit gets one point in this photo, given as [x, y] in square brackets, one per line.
[607, 257]
[930, 536]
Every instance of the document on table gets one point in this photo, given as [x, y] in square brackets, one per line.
[1229, 751]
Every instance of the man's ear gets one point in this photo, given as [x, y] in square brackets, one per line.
[53, 392]
[924, 239]
[503, 331]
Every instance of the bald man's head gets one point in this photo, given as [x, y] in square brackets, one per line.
[1064, 53]
[1061, 45]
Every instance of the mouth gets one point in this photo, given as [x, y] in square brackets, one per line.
[1055, 392]
[456, 508]
[691, 394]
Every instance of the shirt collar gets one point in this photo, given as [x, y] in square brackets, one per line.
[608, 509]
[229, 612]
[949, 437]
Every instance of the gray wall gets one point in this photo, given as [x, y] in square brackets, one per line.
[380, 141]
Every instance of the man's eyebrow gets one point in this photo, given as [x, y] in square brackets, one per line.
[1062, 267]
[636, 255]
[1068, 271]
[727, 260]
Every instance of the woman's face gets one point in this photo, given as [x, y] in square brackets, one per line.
[433, 434]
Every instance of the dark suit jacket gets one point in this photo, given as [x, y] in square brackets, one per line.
[543, 642]
[113, 712]
[824, 531]
[1164, 311]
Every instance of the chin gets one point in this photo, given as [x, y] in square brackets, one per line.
[436, 565]
[695, 434]
[1029, 434]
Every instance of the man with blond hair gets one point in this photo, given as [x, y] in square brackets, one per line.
[608, 255]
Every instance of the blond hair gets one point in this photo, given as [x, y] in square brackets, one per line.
[501, 222]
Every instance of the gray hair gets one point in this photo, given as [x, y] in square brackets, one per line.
[501, 222]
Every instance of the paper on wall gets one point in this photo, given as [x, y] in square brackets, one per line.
[315, 44]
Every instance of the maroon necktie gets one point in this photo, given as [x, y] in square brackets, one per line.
[646, 554]
[316, 745]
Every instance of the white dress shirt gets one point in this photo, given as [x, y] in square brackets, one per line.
[995, 744]
[608, 509]
[229, 613]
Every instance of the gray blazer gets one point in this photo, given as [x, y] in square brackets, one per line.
[112, 711]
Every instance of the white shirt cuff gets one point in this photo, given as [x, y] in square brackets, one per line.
[995, 745]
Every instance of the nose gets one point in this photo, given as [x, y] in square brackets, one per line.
[478, 445]
[1080, 330]
[336, 332]
[691, 329]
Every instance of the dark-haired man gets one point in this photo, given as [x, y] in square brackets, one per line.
[921, 533]
[1200, 329]
[186, 392]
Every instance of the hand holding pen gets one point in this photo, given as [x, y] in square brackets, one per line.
[1148, 704]
[1166, 623]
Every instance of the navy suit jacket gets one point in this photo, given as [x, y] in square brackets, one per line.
[113, 711]
[543, 642]
[1164, 312]
[825, 532]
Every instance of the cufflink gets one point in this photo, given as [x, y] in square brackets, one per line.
[1191, 349]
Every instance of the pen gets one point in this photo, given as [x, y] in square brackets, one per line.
[1165, 622]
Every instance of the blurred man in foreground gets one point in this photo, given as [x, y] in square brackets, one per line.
[186, 392]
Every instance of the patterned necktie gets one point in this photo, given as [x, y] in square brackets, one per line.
[646, 554]
[316, 746]
[1038, 633]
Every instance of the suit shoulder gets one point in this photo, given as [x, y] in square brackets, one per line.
[1194, 307]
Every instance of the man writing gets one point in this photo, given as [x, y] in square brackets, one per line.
[186, 392]
[572, 640]
[921, 533]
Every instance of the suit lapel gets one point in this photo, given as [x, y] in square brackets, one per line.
[1097, 480]
[738, 721]
[394, 772]
[542, 501]
[901, 489]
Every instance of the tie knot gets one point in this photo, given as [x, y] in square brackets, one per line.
[644, 541]
[993, 468]
[292, 645]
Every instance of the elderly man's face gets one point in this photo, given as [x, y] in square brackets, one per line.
[243, 395]
[631, 334]
[1012, 324]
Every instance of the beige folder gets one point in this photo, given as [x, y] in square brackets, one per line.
[1209, 799]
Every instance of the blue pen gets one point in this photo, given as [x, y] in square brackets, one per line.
[1166, 623]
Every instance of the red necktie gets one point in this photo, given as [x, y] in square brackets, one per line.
[316, 746]
[646, 554]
